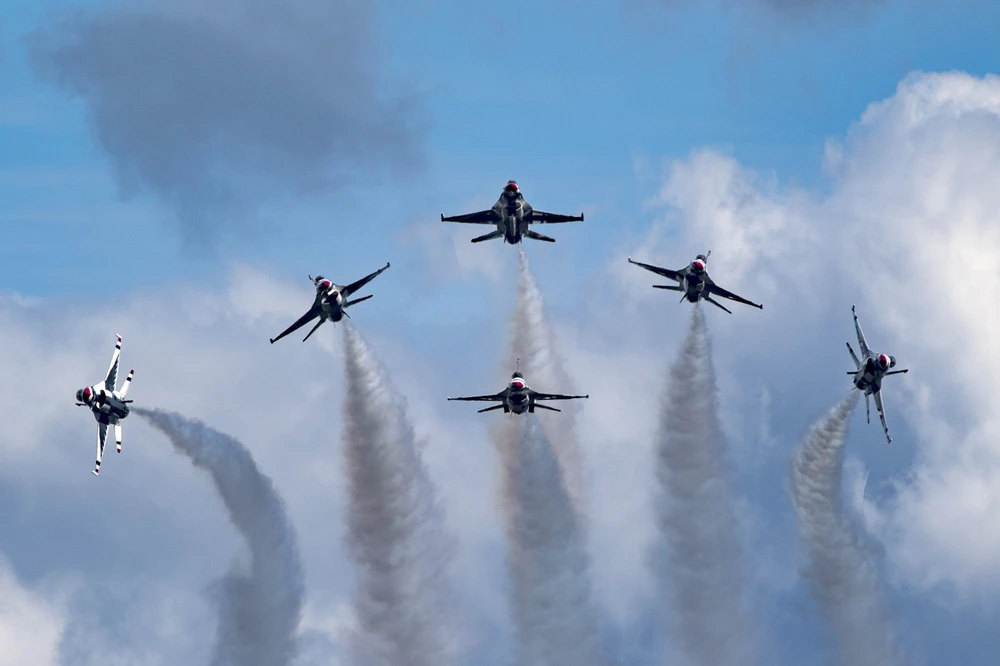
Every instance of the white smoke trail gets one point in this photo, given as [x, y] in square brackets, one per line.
[260, 609]
[533, 342]
[843, 574]
[699, 553]
[396, 533]
[548, 560]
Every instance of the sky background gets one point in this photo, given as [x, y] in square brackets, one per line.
[173, 173]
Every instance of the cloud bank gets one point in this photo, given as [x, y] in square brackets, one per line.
[218, 107]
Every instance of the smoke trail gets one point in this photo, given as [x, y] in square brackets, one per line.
[547, 558]
[533, 342]
[396, 530]
[260, 610]
[699, 552]
[843, 575]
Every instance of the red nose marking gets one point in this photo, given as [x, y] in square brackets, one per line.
[517, 383]
[700, 266]
[325, 284]
[86, 392]
[883, 360]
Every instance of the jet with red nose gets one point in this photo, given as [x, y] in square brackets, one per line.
[694, 283]
[511, 215]
[869, 373]
[331, 302]
[518, 398]
[108, 405]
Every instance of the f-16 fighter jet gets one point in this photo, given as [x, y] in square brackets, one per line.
[695, 283]
[331, 302]
[518, 398]
[109, 406]
[868, 376]
[511, 215]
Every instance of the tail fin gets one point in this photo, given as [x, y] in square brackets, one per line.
[857, 363]
[357, 300]
[537, 236]
[128, 384]
[118, 436]
[489, 236]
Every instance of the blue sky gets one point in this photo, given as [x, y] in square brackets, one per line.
[598, 106]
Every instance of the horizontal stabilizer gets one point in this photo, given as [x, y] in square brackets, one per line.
[490, 409]
[896, 372]
[128, 385]
[717, 304]
[541, 406]
[668, 287]
[537, 236]
[489, 236]
[854, 356]
[357, 300]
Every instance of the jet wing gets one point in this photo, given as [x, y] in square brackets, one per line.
[354, 286]
[724, 293]
[665, 272]
[300, 322]
[881, 414]
[482, 217]
[540, 217]
[102, 437]
[483, 398]
[555, 396]
[112, 377]
[865, 351]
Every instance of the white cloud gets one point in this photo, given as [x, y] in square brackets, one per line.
[31, 625]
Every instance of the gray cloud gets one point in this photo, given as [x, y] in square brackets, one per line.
[216, 107]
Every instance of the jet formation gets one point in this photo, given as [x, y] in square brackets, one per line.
[512, 216]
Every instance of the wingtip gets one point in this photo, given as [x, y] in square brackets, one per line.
[581, 217]
[272, 340]
[387, 264]
[94, 472]
[442, 217]
[119, 337]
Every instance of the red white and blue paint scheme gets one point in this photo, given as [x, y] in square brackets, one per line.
[869, 374]
[511, 215]
[108, 405]
[331, 302]
[695, 284]
[518, 398]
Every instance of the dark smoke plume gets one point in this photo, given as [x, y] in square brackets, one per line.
[548, 561]
[396, 532]
[533, 342]
[260, 609]
[841, 570]
[700, 554]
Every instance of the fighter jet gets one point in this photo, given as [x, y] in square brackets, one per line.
[331, 302]
[511, 215]
[695, 283]
[109, 406]
[869, 374]
[518, 398]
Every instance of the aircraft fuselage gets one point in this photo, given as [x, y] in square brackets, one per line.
[694, 286]
[107, 406]
[332, 304]
[511, 209]
[869, 376]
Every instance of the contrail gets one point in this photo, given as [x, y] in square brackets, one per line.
[533, 342]
[396, 532]
[260, 609]
[548, 561]
[843, 574]
[699, 554]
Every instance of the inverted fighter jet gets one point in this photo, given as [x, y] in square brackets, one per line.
[331, 302]
[695, 283]
[518, 398]
[511, 215]
[869, 374]
[108, 405]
